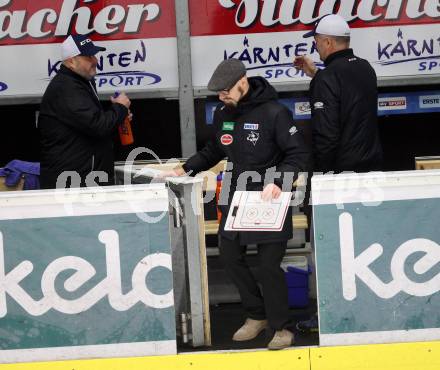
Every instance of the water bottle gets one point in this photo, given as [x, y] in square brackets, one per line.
[125, 133]
[218, 189]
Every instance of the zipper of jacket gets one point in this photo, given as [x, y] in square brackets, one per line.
[94, 91]
[97, 97]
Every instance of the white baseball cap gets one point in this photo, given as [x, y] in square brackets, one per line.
[331, 25]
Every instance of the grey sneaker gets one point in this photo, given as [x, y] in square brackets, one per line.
[282, 339]
[249, 330]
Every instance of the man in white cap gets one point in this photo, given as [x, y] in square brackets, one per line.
[343, 100]
[75, 131]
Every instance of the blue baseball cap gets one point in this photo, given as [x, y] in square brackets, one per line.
[79, 45]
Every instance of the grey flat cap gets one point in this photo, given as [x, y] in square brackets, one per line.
[226, 75]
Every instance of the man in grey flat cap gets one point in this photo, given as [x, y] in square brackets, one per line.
[256, 134]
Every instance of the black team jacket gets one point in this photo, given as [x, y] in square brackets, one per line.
[255, 136]
[343, 100]
[75, 131]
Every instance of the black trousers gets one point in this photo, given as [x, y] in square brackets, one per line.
[274, 305]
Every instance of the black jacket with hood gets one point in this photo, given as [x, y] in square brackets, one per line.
[343, 100]
[255, 136]
[75, 131]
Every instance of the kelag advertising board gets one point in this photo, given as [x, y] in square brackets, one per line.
[377, 245]
[86, 274]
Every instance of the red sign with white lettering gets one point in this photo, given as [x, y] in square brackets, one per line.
[223, 17]
[49, 21]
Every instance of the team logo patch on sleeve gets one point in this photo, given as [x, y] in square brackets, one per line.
[226, 139]
[251, 126]
[228, 126]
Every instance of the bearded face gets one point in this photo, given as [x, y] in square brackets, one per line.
[232, 96]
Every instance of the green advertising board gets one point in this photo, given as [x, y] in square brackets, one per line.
[377, 246]
[86, 275]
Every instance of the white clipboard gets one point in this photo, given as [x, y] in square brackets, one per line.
[248, 212]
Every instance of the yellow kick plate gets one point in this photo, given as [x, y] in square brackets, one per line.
[397, 356]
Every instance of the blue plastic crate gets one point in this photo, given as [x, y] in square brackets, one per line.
[297, 286]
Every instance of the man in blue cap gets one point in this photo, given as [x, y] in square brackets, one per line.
[75, 131]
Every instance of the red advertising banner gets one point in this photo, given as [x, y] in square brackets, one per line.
[139, 35]
[398, 37]
[48, 21]
[223, 17]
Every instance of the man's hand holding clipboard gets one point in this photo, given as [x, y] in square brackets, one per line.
[249, 211]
